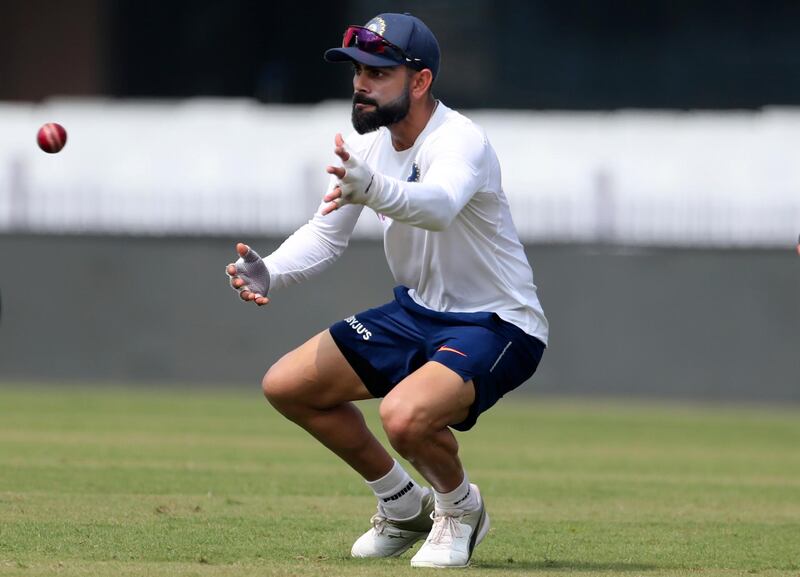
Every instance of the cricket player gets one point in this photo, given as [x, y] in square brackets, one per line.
[465, 325]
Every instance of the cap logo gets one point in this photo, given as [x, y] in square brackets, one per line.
[377, 25]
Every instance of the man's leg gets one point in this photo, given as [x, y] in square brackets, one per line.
[313, 386]
[416, 415]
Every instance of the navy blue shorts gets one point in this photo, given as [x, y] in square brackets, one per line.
[386, 344]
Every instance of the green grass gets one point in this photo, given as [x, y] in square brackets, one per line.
[119, 482]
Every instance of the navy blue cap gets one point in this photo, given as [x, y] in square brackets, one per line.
[407, 32]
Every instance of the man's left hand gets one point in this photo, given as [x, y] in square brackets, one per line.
[355, 179]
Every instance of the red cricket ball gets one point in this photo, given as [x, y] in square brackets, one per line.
[51, 137]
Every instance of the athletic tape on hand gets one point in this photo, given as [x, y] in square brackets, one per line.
[252, 270]
[357, 182]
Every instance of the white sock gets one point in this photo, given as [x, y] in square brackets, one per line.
[462, 497]
[398, 495]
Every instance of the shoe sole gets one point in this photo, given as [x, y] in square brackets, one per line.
[480, 533]
[395, 554]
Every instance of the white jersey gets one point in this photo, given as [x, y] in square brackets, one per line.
[447, 228]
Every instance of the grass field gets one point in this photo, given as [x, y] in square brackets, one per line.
[119, 482]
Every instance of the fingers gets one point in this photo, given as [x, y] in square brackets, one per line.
[247, 253]
[334, 198]
[333, 194]
[340, 149]
[338, 171]
[329, 208]
[248, 296]
[235, 281]
[238, 283]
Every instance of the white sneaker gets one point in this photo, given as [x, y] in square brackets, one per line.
[454, 536]
[390, 538]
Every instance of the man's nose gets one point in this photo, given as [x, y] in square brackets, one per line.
[360, 84]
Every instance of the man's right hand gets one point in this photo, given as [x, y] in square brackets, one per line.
[249, 275]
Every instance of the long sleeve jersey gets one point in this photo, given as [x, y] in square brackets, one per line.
[447, 228]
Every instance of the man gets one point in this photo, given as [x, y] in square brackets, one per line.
[465, 326]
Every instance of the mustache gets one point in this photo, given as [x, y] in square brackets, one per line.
[359, 98]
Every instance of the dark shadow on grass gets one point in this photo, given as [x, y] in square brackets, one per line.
[565, 566]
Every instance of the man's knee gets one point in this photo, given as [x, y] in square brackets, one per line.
[278, 386]
[405, 423]
[315, 376]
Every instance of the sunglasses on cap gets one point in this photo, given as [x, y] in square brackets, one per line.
[373, 43]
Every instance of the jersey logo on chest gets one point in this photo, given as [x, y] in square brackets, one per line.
[414, 177]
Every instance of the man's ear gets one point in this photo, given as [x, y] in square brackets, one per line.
[421, 82]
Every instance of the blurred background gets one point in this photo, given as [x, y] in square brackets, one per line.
[649, 152]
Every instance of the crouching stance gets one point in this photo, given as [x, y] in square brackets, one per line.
[464, 327]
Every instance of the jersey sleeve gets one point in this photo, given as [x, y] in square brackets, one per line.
[453, 169]
[312, 247]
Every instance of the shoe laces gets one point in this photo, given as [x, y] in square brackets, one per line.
[378, 521]
[446, 527]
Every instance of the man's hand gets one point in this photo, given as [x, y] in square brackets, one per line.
[355, 179]
[249, 275]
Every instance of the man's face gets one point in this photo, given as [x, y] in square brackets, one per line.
[381, 96]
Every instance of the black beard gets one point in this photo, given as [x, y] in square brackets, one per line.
[386, 115]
